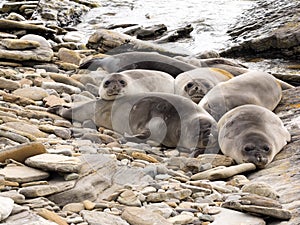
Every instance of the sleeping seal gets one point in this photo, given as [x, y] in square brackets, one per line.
[169, 119]
[252, 133]
[194, 84]
[254, 87]
[135, 81]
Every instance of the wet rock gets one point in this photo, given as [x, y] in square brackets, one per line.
[21, 152]
[152, 32]
[270, 29]
[22, 174]
[74, 36]
[102, 218]
[6, 207]
[34, 93]
[53, 162]
[140, 216]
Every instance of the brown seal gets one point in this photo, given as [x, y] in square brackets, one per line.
[252, 133]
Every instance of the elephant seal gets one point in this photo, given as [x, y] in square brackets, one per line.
[135, 81]
[194, 84]
[252, 133]
[254, 87]
[169, 119]
[138, 60]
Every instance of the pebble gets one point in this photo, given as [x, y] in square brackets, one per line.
[6, 207]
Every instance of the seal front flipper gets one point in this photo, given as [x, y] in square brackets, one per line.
[138, 138]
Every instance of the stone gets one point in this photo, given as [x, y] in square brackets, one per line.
[159, 197]
[52, 216]
[73, 207]
[6, 84]
[62, 78]
[22, 174]
[53, 162]
[17, 99]
[182, 218]
[140, 216]
[161, 208]
[53, 100]
[24, 128]
[38, 190]
[74, 36]
[224, 172]
[282, 214]
[260, 188]
[21, 152]
[216, 160]
[6, 207]
[102, 218]
[129, 198]
[69, 56]
[17, 44]
[236, 218]
[61, 88]
[64, 133]
[89, 205]
[14, 195]
[9, 24]
[30, 217]
[34, 93]
[143, 156]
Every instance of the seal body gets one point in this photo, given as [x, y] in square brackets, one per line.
[171, 120]
[138, 60]
[252, 133]
[135, 81]
[258, 88]
[194, 84]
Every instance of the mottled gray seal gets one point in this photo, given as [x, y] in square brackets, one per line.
[135, 81]
[169, 119]
[252, 133]
[254, 87]
[138, 60]
[194, 84]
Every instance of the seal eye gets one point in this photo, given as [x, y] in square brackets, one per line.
[189, 85]
[266, 148]
[106, 83]
[122, 82]
[249, 148]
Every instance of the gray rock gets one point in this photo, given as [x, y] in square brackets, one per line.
[129, 198]
[159, 197]
[7, 84]
[236, 218]
[260, 188]
[34, 93]
[61, 88]
[161, 208]
[102, 218]
[22, 174]
[140, 216]
[6, 207]
[53, 162]
[38, 190]
[28, 216]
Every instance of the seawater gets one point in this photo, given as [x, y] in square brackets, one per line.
[209, 18]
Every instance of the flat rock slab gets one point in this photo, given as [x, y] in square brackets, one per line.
[15, 44]
[22, 152]
[53, 162]
[22, 174]
[6, 207]
[140, 216]
[236, 218]
[102, 218]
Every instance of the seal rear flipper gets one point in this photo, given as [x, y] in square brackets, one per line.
[138, 138]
